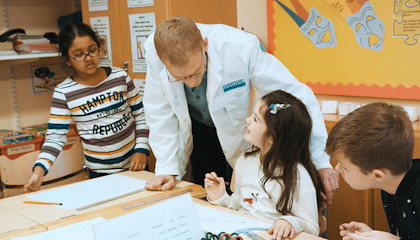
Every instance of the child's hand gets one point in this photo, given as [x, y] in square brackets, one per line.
[215, 186]
[352, 227]
[35, 181]
[282, 229]
[138, 162]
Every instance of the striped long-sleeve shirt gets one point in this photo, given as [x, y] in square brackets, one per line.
[109, 118]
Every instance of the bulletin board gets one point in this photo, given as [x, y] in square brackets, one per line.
[349, 47]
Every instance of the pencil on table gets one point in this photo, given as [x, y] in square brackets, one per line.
[45, 203]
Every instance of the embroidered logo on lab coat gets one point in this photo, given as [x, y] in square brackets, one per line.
[232, 85]
[253, 198]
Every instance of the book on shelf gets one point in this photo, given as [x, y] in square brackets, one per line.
[6, 49]
[16, 137]
[24, 44]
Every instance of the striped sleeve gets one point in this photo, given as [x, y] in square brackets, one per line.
[142, 130]
[58, 126]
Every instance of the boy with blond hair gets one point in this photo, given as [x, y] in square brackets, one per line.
[374, 148]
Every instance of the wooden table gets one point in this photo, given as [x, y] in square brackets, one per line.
[20, 219]
[27, 219]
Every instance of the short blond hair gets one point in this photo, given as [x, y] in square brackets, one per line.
[176, 39]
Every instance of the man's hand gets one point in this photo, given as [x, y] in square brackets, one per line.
[330, 179]
[35, 181]
[361, 231]
[138, 162]
[161, 183]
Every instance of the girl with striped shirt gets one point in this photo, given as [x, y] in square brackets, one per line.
[103, 103]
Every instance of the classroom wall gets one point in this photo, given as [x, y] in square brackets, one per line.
[252, 16]
[40, 17]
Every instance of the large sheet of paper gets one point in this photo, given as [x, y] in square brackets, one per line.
[90, 191]
[173, 219]
[216, 221]
[79, 231]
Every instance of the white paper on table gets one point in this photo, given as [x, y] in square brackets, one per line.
[171, 219]
[217, 221]
[90, 191]
[79, 231]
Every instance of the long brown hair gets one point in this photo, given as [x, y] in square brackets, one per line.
[290, 130]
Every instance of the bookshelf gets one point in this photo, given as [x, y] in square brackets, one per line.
[28, 56]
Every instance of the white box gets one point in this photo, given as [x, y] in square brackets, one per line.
[329, 107]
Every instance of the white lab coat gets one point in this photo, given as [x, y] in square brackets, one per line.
[235, 61]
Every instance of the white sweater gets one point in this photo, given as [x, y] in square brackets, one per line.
[249, 197]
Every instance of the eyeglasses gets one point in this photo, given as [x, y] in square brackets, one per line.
[193, 77]
[82, 56]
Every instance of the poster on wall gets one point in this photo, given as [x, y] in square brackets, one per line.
[140, 84]
[352, 48]
[44, 78]
[98, 5]
[101, 26]
[140, 3]
[141, 26]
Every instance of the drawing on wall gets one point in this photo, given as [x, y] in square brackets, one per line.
[367, 60]
[46, 77]
[140, 46]
[104, 47]
[407, 20]
[313, 25]
[368, 28]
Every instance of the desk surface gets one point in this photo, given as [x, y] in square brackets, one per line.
[26, 219]
[23, 217]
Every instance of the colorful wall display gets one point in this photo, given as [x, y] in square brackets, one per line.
[349, 47]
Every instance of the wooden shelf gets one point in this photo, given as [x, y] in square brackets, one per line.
[29, 56]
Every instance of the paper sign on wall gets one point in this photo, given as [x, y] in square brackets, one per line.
[140, 83]
[141, 26]
[139, 3]
[98, 5]
[101, 26]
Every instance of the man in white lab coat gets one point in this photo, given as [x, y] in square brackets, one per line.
[197, 96]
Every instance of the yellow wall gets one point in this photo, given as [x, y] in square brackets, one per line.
[257, 21]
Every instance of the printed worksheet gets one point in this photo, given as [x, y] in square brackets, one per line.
[216, 221]
[173, 219]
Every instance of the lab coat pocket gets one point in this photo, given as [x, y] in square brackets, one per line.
[237, 107]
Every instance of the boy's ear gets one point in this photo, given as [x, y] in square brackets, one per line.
[379, 174]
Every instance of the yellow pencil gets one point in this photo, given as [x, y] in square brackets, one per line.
[45, 203]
